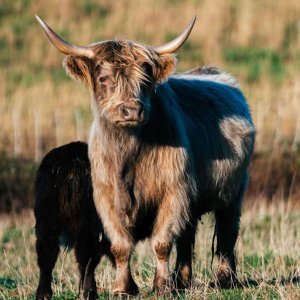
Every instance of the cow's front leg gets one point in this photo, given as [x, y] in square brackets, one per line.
[124, 283]
[162, 251]
[121, 242]
[168, 224]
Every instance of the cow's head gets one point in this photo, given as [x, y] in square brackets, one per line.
[121, 75]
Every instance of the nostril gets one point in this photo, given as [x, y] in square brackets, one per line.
[131, 113]
[125, 111]
[140, 110]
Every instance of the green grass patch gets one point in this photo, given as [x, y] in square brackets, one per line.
[7, 283]
[11, 234]
[94, 8]
[258, 261]
[258, 62]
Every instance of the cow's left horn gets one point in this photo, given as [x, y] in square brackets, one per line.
[178, 42]
[64, 46]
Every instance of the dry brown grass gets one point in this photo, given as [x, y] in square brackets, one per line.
[268, 260]
[40, 108]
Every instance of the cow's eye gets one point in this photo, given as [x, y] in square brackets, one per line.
[147, 70]
[104, 79]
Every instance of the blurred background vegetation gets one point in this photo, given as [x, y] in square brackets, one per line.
[41, 107]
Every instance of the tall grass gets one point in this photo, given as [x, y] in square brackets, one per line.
[267, 249]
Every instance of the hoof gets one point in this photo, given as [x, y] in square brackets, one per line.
[130, 289]
[43, 295]
[226, 280]
[46, 296]
[88, 295]
[179, 283]
[163, 286]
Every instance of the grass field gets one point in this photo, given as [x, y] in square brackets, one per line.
[257, 41]
[267, 250]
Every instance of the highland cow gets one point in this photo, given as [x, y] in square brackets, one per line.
[164, 150]
[65, 214]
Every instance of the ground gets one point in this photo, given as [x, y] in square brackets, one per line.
[268, 260]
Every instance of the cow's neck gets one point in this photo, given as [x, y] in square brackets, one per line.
[122, 145]
[119, 149]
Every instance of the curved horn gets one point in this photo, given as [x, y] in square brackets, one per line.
[64, 46]
[178, 42]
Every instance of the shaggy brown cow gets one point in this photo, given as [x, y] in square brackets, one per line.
[164, 150]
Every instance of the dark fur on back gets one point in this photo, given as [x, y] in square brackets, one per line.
[65, 212]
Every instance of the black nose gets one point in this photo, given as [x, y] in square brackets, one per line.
[131, 113]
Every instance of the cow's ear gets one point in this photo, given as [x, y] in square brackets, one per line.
[79, 68]
[165, 67]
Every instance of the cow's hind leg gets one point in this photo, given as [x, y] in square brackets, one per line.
[227, 228]
[47, 249]
[183, 270]
[87, 251]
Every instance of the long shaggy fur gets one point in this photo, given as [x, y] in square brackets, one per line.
[187, 154]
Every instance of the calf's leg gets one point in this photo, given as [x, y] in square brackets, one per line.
[47, 249]
[87, 251]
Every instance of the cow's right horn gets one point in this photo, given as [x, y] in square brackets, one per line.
[177, 42]
[64, 46]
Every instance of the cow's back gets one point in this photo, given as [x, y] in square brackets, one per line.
[219, 130]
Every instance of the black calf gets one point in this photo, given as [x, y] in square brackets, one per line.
[65, 214]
